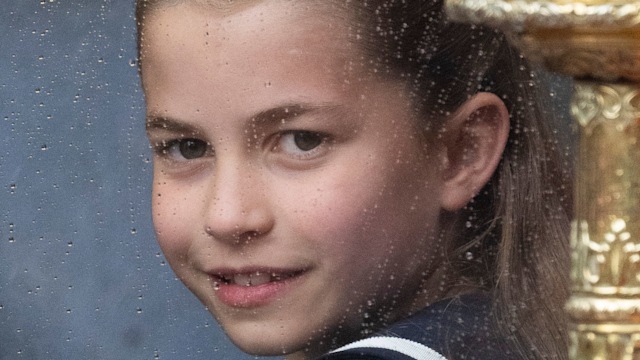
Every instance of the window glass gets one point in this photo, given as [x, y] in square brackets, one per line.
[81, 275]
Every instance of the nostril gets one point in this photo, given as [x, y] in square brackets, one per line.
[237, 236]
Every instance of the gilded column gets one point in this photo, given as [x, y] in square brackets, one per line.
[598, 43]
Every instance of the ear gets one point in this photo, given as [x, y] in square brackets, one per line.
[474, 138]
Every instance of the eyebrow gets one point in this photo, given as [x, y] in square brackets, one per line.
[288, 112]
[169, 124]
[275, 115]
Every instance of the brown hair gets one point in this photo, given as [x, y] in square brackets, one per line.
[511, 238]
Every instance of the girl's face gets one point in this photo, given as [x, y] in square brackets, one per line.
[291, 192]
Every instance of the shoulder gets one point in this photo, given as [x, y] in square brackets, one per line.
[458, 328]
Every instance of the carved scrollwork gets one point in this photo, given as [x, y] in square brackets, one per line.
[606, 265]
[604, 310]
[604, 344]
[517, 15]
[594, 102]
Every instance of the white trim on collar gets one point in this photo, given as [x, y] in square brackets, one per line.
[403, 346]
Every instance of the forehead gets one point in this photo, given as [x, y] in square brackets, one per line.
[238, 15]
[289, 27]
[202, 55]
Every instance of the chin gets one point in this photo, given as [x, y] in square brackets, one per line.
[276, 341]
[265, 346]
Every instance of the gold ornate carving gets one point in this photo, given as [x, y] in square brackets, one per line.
[584, 39]
[583, 55]
[604, 344]
[604, 309]
[605, 240]
[602, 102]
[606, 234]
[519, 15]
[609, 263]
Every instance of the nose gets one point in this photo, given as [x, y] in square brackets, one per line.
[237, 204]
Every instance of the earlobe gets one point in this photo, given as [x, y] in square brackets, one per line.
[474, 139]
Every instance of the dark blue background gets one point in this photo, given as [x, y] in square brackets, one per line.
[81, 276]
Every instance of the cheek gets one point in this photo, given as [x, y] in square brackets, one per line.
[346, 213]
[368, 215]
[173, 219]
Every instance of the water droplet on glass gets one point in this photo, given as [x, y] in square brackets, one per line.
[468, 255]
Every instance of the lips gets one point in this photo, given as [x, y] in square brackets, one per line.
[254, 288]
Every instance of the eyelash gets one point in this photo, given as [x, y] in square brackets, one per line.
[319, 143]
[174, 149]
[166, 148]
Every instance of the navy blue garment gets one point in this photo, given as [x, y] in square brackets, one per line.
[460, 329]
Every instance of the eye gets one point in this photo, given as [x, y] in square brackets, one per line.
[183, 149]
[301, 143]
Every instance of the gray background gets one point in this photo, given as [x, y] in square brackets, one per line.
[81, 276]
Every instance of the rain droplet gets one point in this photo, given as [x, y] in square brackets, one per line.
[468, 255]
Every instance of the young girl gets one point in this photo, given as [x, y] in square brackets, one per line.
[354, 179]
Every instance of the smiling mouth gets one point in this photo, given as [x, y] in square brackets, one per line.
[256, 278]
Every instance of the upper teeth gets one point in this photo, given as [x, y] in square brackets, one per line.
[253, 279]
